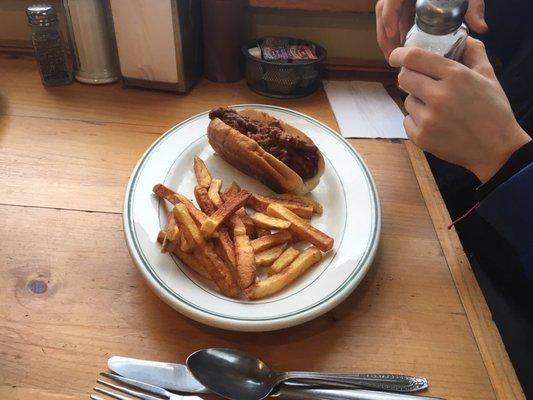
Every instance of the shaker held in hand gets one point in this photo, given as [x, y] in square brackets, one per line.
[439, 27]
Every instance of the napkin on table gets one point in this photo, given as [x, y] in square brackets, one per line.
[365, 110]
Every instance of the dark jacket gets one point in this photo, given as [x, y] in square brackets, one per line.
[509, 209]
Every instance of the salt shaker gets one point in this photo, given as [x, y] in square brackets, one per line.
[49, 45]
[439, 27]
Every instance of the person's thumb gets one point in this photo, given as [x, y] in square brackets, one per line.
[475, 57]
[475, 16]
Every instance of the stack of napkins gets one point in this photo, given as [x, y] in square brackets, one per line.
[365, 110]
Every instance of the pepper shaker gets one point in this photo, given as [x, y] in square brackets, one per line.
[49, 45]
[439, 27]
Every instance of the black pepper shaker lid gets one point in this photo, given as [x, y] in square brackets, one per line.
[41, 14]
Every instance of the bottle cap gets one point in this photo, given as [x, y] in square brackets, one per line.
[440, 17]
[41, 14]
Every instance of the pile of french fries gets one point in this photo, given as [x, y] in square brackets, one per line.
[221, 242]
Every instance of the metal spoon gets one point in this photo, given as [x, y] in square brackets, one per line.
[234, 374]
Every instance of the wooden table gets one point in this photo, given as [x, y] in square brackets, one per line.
[70, 296]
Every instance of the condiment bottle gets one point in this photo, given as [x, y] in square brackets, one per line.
[49, 45]
[439, 27]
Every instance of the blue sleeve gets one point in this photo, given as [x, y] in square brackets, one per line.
[509, 209]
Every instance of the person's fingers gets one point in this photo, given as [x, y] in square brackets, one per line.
[422, 61]
[475, 57]
[417, 84]
[391, 15]
[406, 20]
[416, 133]
[415, 107]
[385, 44]
[411, 128]
[475, 16]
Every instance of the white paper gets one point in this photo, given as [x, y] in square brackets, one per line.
[365, 110]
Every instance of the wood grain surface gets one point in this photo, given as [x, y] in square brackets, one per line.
[71, 296]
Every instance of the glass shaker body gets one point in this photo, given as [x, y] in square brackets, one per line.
[51, 54]
[450, 45]
[90, 41]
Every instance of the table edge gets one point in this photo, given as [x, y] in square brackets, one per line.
[497, 362]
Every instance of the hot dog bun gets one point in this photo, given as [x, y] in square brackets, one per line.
[246, 155]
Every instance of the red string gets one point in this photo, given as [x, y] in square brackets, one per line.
[466, 214]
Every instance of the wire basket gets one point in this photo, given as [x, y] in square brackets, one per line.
[284, 79]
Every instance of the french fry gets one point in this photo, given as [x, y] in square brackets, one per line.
[260, 203]
[275, 283]
[294, 198]
[225, 211]
[172, 235]
[245, 261]
[173, 232]
[301, 228]
[186, 258]
[203, 177]
[267, 257]
[174, 198]
[203, 200]
[227, 249]
[217, 269]
[161, 236]
[251, 229]
[190, 260]
[288, 256]
[300, 209]
[220, 252]
[192, 233]
[269, 241]
[236, 225]
[267, 222]
[214, 192]
[185, 245]
[231, 190]
[263, 232]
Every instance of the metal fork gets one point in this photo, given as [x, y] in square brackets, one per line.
[164, 394]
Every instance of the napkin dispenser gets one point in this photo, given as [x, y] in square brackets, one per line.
[158, 42]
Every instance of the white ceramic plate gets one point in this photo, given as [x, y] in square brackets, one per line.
[351, 216]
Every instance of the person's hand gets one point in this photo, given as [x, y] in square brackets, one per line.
[394, 18]
[458, 112]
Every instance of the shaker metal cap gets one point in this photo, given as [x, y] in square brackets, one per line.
[440, 17]
[41, 14]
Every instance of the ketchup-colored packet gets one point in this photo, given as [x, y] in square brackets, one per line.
[301, 52]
